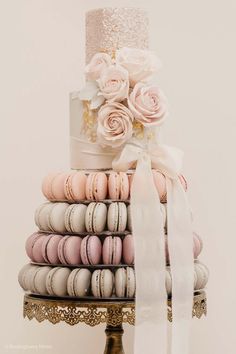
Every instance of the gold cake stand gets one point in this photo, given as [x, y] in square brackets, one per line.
[113, 313]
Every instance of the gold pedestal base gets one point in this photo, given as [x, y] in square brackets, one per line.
[92, 312]
[114, 340]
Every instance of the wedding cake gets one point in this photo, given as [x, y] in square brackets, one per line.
[118, 225]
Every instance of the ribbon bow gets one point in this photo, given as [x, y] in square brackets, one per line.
[149, 245]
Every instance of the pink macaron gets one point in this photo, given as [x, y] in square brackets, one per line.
[30, 244]
[91, 250]
[49, 248]
[47, 185]
[69, 249]
[37, 254]
[118, 185]
[96, 186]
[74, 186]
[112, 250]
[128, 249]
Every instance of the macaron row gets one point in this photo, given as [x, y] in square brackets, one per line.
[89, 250]
[101, 283]
[78, 186]
[95, 217]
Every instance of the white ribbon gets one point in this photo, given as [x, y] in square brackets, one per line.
[150, 263]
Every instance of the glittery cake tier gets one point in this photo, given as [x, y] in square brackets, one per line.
[109, 29]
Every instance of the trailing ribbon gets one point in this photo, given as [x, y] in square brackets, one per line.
[150, 263]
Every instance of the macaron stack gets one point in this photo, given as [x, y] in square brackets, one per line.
[84, 245]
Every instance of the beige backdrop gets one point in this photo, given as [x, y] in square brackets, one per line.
[42, 56]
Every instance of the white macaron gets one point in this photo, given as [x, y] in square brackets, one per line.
[42, 216]
[75, 218]
[23, 276]
[117, 217]
[56, 281]
[57, 217]
[102, 283]
[125, 282]
[79, 282]
[95, 218]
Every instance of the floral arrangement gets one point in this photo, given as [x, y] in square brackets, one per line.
[120, 100]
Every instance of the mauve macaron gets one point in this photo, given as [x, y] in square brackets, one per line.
[91, 250]
[49, 248]
[69, 250]
[112, 250]
[74, 186]
[37, 254]
[128, 249]
[96, 186]
[30, 244]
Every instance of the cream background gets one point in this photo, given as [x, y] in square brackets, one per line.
[42, 55]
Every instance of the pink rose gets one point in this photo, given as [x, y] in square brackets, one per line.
[114, 83]
[98, 63]
[148, 104]
[114, 124]
[141, 64]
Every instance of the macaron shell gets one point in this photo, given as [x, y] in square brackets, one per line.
[82, 282]
[122, 217]
[23, 274]
[57, 217]
[106, 282]
[30, 243]
[47, 186]
[130, 282]
[67, 187]
[89, 217]
[40, 280]
[91, 250]
[100, 186]
[128, 249]
[56, 281]
[42, 216]
[77, 218]
[124, 186]
[78, 185]
[89, 186]
[95, 283]
[113, 217]
[120, 282]
[107, 250]
[72, 249]
[114, 185]
[29, 277]
[37, 249]
[57, 186]
[50, 249]
[117, 250]
[99, 217]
